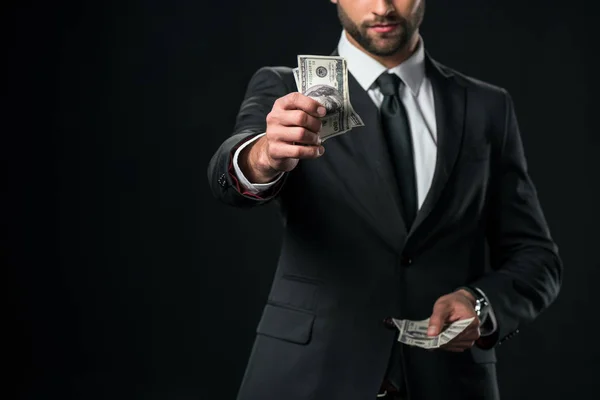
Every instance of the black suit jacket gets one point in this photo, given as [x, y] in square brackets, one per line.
[348, 262]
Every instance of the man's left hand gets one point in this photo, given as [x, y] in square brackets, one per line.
[451, 308]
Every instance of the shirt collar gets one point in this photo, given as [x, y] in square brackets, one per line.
[366, 69]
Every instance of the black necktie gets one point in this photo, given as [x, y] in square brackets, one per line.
[396, 129]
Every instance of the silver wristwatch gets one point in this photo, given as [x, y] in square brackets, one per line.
[481, 303]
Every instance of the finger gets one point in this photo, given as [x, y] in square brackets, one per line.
[454, 349]
[476, 323]
[441, 311]
[297, 134]
[468, 334]
[466, 342]
[300, 118]
[463, 344]
[471, 333]
[298, 101]
[459, 346]
[281, 150]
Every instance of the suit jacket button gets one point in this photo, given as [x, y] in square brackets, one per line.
[405, 261]
[222, 180]
[389, 323]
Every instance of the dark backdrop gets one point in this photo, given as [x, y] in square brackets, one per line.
[127, 280]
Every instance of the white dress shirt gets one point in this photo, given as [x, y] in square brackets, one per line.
[416, 94]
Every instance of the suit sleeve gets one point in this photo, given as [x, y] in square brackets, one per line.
[527, 268]
[265, 86]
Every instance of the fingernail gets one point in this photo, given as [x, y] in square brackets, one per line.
[321, 150]
[431, 330]
[321, 111]
[319, 141]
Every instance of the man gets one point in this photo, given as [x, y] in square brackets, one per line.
[426, 211]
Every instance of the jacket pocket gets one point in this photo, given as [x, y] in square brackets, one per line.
[293, 291]
[286, 324]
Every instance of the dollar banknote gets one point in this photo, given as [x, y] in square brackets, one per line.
[414, 333]
[325, 79]
[355, 119]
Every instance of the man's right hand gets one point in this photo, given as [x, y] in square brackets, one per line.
[292, 134]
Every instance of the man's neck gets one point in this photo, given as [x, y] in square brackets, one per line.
[395, 59]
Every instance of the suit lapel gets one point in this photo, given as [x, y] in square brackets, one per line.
[449, 102]
[370, 185]
[372, 190]
[360, 162]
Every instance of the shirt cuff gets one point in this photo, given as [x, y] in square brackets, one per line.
[489, 323]
[253, 188]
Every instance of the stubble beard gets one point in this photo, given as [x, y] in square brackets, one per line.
[383, 45]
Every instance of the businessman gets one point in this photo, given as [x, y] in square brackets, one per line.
[427, 211]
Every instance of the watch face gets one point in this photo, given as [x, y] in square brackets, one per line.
[478, 306]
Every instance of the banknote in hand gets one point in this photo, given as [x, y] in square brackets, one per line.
[414, 333]
[325, 79]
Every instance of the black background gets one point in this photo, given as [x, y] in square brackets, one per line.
[126, 279]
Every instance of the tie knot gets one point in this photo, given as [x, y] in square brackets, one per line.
[389, 84]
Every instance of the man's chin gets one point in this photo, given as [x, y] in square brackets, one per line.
[384, 51]
[385, 46]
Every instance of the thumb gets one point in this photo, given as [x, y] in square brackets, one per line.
[438, 319]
